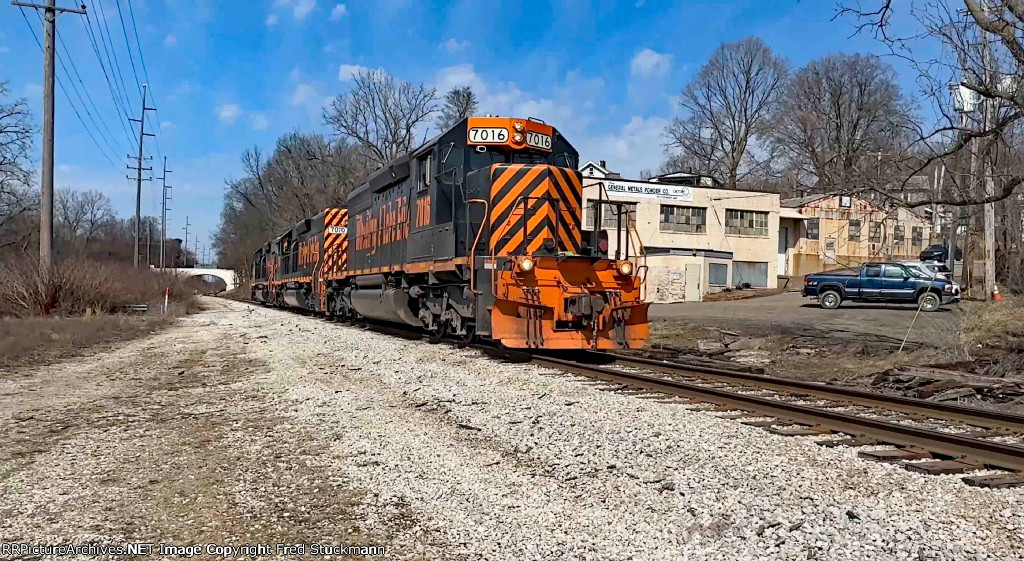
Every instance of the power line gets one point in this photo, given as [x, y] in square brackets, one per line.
[111, 52]
[106, 137]
[142, 61]
[118, 104]
[68, 97]
[128, 45]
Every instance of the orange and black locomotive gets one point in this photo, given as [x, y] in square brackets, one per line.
[475, 233]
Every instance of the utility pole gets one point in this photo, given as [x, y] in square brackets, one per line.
[139, 169]
[149, 243]
[163, 215]
[989, 209]
[184, 254]
[195, 251]
[50, 11]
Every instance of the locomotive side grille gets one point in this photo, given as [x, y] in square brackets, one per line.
[549, 196]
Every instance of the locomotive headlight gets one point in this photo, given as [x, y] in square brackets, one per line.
[526, 264]
[626, 268]
[518, 125]
[517, 138]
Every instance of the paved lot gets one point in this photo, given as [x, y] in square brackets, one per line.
[789, 314]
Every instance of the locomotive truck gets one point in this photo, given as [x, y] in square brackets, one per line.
[476, 233]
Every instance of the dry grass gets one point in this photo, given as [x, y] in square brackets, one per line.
[51, 316]
[41, 340]
[997, 326]
[77, 287]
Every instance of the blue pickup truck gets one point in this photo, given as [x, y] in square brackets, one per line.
[879, 282]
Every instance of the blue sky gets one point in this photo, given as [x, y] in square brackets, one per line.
[227, 74]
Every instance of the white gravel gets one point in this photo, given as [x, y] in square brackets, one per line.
[291, 427]
[510, 462]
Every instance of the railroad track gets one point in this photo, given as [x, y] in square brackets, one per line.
[925, 437]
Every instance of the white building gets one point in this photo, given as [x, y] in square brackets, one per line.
[697, 237]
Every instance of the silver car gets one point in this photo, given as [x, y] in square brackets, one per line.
[934, 269]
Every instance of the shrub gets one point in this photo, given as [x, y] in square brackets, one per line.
[75, 287]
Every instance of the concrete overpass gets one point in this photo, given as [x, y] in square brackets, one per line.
[227, 275]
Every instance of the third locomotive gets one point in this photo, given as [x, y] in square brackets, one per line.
[475, 233]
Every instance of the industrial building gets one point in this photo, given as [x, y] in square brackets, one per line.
[697, 237]
[835, 231]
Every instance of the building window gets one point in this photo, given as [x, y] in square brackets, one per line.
[917, 234]
[813, 229]
[897, 235]
[683, 219]
[855, 226]
[718, 274]
[609, 215]
[875, 234]
[845, 201]
[746, 223]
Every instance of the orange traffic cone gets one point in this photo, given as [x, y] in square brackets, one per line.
[996, 297]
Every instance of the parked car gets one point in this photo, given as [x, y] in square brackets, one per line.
[935, 270]
[879, 282]
[939, 252]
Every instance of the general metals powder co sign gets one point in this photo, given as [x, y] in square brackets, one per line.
[649, 190]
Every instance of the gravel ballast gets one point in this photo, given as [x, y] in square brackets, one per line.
[446, 454]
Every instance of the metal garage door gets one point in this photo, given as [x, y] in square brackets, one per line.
[748, 271]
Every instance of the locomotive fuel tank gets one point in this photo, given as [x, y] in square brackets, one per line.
[372, 298]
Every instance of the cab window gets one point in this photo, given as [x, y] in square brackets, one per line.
[873, 271]
[894, 272]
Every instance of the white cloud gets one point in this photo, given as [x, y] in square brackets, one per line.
[302, 94]
[348, 71]
[33, 89]
[338, 12]
[637, 146]
[650, 63]
[4, 50]
[576, 106]
[453, 45]
[229, 113]
[260, 122]
[300, 8]
[271, 20]
[303, 8]
[170, 41]
[166, 125]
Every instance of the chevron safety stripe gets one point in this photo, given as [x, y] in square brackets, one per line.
[550, 197]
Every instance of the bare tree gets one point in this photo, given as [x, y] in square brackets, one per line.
[459, 103]
[974, 60]
[304, 174]
[80, 216]
[841, 116]
[726, 109]
[16, 199]
[381, 114]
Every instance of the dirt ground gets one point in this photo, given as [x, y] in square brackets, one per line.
[789, 314]
[858, 344]
[164, 439]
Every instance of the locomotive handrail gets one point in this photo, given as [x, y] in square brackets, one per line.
[476, 241]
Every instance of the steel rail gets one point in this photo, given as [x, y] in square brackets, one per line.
[921, 407]
[992, 454]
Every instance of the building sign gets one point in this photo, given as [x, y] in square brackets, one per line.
[649, 190]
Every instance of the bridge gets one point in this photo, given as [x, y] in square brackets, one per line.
[226, 275]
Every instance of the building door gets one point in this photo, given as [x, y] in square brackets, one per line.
[692, 280]
[749, 272]
[783, 246]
